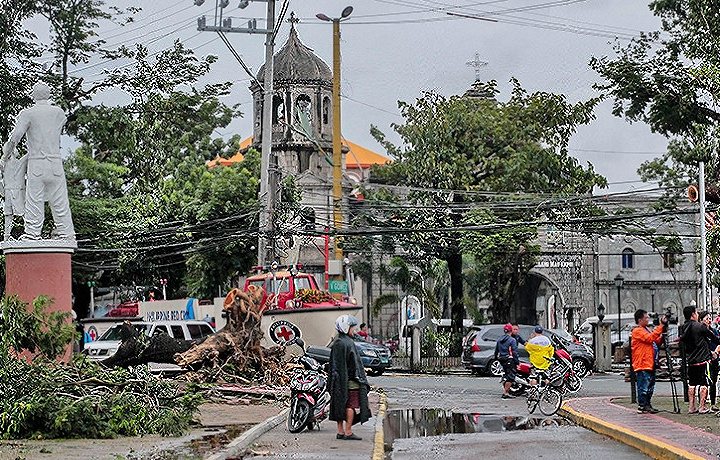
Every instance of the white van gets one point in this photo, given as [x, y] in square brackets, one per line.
[108, 343]
[584, 332]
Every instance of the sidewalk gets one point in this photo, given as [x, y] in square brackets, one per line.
[664, 435]
[272, 440]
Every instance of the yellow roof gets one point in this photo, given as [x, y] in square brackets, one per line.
[357, 157]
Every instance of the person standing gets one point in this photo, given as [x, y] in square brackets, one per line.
[13, 173]
[644, 349]
[347, 383]
[695, 337]
[706, 318]
[506, 353]
[363, 333]
[516, 335]
[42, 125]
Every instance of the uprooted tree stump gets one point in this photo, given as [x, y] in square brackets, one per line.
[232, 354]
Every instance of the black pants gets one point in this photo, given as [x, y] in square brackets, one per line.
[714, 367]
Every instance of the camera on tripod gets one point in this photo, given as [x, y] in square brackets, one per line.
[668, 314]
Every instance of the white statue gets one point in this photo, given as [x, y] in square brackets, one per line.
[13, 172]
[42, 124]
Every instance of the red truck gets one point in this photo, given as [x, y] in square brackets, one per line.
[289, 289]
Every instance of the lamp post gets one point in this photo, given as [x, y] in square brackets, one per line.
[555, 308]
[91, 285]
[619, 284]
[163, 283]
[652, 299]
[337, 134]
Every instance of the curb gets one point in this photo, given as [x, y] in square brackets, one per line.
[379, 446]
[645, 444]
[241, 442]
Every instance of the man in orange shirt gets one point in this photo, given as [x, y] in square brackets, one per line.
[644, 345]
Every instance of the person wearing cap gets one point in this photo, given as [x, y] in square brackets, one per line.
[347, 381]
[644, 351]
[540, 349]
[506, 352]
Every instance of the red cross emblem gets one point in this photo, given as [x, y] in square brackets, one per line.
[282, 332]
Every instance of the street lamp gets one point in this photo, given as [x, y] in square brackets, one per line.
[337, 145]
[619, 284]
[163, 283]
[652, 299]
[601, 312]
[555, 308]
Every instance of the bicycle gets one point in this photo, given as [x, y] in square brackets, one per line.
[547, 394]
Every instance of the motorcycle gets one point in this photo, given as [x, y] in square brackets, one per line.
[309, 398]
[561, 366]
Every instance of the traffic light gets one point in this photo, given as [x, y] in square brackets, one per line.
[712, 193]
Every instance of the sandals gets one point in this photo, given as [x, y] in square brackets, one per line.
[693, 411]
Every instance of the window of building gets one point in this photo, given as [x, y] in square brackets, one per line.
[628, 258]
[303, 104]
[326, 110]
[668, 260]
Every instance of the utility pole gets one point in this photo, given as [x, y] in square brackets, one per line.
[703, 240]
[337, 132]
[268, 178]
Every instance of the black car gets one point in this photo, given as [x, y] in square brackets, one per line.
[376, 358]
[479, 349]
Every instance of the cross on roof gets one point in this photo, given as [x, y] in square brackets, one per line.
[477, 63]
[293, 19]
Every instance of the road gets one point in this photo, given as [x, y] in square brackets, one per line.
[459, 416]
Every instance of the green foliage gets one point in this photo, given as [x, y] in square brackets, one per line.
[463, 153]
[668, 80]
[504, 258]
[82, 400]
[47, 334]
[382, 300]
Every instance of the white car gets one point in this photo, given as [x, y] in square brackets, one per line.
[108, 343]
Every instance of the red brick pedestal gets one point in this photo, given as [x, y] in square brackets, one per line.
[33, 268]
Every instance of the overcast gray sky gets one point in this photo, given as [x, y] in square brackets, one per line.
[394, 49]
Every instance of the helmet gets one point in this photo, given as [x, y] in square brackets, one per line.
[507, 327]
[345, 322]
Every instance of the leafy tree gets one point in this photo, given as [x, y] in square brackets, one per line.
[18, 51]
[145, 203]
[462, 150]
[670, 79]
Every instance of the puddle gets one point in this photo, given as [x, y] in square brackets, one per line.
[413, 423]
[217, 439]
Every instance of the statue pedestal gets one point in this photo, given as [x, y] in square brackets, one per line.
[36, 267]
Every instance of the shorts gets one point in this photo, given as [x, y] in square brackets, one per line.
[698, 375]
[353, 401]
[509, 367]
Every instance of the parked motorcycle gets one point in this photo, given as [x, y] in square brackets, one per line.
[309, 398]
[562, 365]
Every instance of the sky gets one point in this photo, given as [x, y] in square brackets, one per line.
[393, 50]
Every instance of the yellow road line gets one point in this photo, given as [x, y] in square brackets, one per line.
[379, 447]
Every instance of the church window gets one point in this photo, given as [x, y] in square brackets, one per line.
[278, 110]
[304, 105]
[326, 110]
[628, 258]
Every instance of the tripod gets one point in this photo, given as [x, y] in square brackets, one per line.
[671, 376]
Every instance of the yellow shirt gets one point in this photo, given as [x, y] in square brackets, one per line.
[538, 353]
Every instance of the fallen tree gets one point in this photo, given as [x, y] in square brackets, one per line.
[233, 354]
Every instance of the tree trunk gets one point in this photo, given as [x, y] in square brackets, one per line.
[237, 345]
